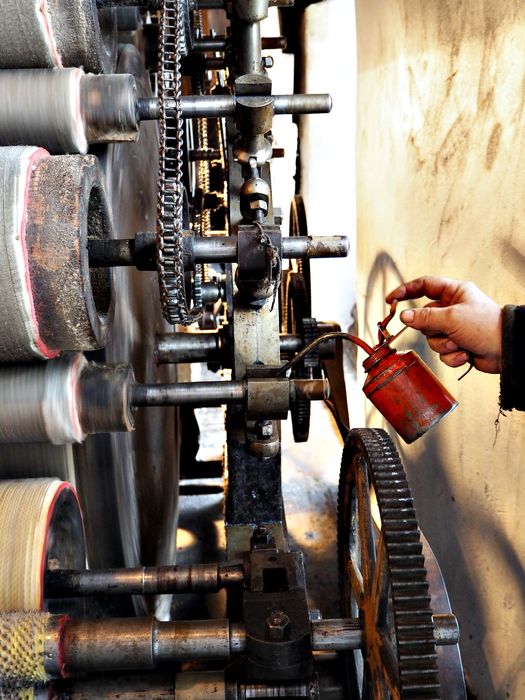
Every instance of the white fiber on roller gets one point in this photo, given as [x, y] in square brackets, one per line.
[19, 333]
[26, 507]
[40, 403]
[44, 108]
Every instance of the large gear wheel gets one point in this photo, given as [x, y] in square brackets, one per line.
[383, 574]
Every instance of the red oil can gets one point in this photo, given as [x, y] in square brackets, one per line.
[405, 391]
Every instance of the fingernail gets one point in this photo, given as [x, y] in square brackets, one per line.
[407, 316]
[450, 345]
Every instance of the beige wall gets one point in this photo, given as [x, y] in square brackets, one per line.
[441, 189]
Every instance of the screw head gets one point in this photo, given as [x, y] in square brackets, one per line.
[267, 61]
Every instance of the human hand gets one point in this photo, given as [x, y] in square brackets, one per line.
[461, 322]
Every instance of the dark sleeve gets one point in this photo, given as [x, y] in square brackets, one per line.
[512, 381]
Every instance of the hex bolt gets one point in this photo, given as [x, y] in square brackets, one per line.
[267, 62]
[277, 625]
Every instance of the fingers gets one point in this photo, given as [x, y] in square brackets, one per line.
[427, 286]
[442, 345]
[455, 359]
[426, 319]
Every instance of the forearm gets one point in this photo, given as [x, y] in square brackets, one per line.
[512, 383]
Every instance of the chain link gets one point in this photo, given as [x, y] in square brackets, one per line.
[170, 204]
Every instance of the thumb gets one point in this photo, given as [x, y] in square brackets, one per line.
[425, 319]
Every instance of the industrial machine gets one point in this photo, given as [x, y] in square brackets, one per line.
[135, 168]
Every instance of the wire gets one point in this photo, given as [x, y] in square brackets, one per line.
[322, 339]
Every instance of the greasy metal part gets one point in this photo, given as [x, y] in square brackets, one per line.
[247, 38]
[105, 404]
[448, 655]
[108, 108]
[144, 580]
[218, 43]
[225, 105]
[56, 34]
[139, 252]
[383, 575]
[446, 629]
[265, 397]
[275, 613]
[205, 346]
[125, 644]
[188, 394]
[337, 635]
[67, 205]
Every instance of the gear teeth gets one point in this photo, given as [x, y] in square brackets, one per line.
[416, 652]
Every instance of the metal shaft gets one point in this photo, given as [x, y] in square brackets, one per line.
[140, 643]
[197, 578]
[213, 106]
[75, 646]
[140, 251]
[208, 346]
[218, 393]
[188, 394]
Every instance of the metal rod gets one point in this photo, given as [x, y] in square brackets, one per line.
[197, 578]
[188, 394]
[337, 634]
[219, 249]
[205, 346]
[210, 106]
[315, 246]
[249, 58]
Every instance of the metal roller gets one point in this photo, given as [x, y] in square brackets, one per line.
[63, 400]
[56, 34]
[72, 109]
[52, 300]
[40, 403]
[40, 523]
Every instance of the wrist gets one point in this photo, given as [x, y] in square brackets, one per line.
[512, 383]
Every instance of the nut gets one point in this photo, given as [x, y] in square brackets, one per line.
[261, 535]
[278, 624]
